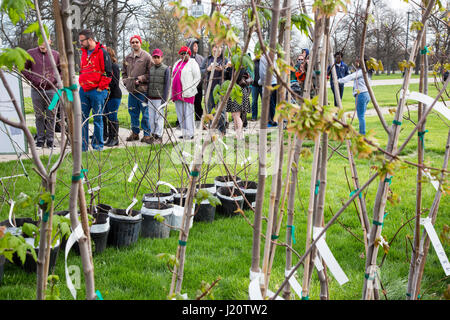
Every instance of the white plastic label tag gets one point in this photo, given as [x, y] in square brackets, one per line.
[133, 171]
[328, 257]
[426, 222]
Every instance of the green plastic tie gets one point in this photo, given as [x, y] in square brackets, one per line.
[305, 298]
[292, 233]
[388, 180]
[385, 214]
[182, 243]
[41, 202]
[58, 95]
[399, 123]
[316, 191]
[274, 237]
[195, 173]
[421, 134]
[408, 294]
[377, 223]
[317, 72]
[99, 295]
[45, 217]
[355, 191]
[81, 176]
[425, 50]
[368, 277]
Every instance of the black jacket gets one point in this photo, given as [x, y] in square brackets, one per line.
[114, 88]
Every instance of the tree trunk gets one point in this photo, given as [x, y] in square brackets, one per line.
[381, 197]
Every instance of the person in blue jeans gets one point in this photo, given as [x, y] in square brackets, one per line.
[95, 76]
[341, 71]
[93, 100]
[112, 104]
[360, 92]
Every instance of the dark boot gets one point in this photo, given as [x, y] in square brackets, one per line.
[113, 134]
[110, 133]
[105, 128]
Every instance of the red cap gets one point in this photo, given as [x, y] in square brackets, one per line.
[137, 37]
[185, 49]
[157, 52]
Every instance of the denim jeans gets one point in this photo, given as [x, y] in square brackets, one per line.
[362, 100]
[111, 109]
[256, 92]
[137, 104]
[273, 104]
[94, 100]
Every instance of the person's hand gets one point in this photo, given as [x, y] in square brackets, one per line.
[99, 90]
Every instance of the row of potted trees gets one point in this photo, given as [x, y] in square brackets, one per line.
[160, 213]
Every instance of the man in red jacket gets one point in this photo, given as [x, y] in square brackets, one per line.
[95, 76]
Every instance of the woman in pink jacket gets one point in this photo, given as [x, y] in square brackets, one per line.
[185, 78]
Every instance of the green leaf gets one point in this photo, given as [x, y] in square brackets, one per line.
[23, 200]
[22, 252]
[16, 9]
[248, 62]
[30, 230]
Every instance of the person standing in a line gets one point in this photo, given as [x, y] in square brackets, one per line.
[113, 103]
[193, 45]
[360, 92]
[158, 92]
[273, 95]
[217, 79]
[135, 73]
[43, 81]
[185, 78]
[256, 87]
[341, 71]
[95, 76]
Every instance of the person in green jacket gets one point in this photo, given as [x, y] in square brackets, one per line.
[158, 91]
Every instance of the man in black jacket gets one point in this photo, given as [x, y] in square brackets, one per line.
[256, 88]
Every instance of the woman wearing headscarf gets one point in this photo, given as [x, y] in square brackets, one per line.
[360, 92]
[185, 78]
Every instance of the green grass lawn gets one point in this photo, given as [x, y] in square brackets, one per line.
[223, 248]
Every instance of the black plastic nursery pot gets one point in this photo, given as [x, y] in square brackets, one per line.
[104, 208]
[99, 231]
[249, 188]
[124, 229]
[177, 196]
[211, 187]
[205, 213]
[158, 197]
[223, 181]
[231, 199]
[30, 265]
[152, 228]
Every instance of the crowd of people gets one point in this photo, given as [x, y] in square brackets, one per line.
[150, 83]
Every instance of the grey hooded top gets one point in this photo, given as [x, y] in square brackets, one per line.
[198, 58]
